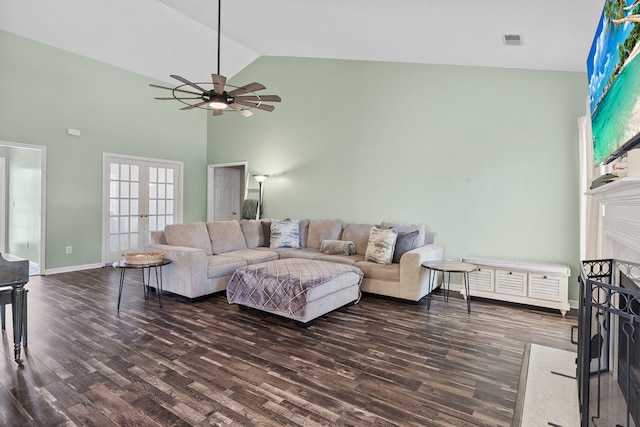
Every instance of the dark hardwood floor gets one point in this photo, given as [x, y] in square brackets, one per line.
[379, 363]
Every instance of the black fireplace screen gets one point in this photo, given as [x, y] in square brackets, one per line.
[608, 369]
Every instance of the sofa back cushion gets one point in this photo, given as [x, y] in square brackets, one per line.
[325, 229]
[253, 232]
[226, 236]
[358, 234]
[192, 235]
[408, 228]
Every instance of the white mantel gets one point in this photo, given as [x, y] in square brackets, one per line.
[618, 234]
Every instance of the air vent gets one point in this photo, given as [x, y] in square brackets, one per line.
[512, 39]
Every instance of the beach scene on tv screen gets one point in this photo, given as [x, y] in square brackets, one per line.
[613, 69]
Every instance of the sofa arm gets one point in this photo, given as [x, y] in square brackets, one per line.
[414, 278]
[187, 273]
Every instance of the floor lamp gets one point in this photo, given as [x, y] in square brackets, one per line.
[261, 178]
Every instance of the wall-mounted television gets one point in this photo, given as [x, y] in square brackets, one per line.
[613, 69]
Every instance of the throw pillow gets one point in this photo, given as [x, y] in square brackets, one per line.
[338, 247]
[404, 243]
[285, 233]
[381, 245]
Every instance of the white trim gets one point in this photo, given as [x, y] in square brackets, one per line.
[72, 268]
[43, 196]
[244, 173]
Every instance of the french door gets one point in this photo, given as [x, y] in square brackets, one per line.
[140, 196]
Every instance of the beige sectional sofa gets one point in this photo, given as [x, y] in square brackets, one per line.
[205, 255]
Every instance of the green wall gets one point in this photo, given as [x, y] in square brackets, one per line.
[487, 158]
[44, 91]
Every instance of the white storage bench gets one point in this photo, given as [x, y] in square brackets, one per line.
[535, 283]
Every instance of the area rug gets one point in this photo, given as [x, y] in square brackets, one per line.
[549, 395]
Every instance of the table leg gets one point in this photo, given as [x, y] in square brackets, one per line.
[122, 271]
[466, 290]
[145, 285]
[446, 286]
[431, 274]
[159, 284]
[17, 297]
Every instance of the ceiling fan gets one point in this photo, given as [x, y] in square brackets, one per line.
[217, 95]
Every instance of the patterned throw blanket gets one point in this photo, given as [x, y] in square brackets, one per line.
[282, 285]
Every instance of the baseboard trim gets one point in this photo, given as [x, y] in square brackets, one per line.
[71, 268]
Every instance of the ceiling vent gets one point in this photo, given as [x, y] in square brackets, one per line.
[512, 39]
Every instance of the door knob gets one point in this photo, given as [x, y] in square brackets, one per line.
[235, 213]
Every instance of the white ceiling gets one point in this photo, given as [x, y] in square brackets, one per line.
[162, 37]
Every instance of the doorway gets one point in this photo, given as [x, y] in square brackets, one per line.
[226, 189]
[22, 203]
[140, 195]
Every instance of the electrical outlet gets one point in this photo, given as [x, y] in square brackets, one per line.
[69, 250]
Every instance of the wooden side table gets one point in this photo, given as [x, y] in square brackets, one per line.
[157, 267]
[448, 267]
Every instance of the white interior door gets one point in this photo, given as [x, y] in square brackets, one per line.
[140, 196]
[227, 194]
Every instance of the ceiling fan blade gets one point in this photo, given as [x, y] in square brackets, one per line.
[218, 82]
[177, 90]
[187, 82]
[264, 107]
[265, 98]
[242, 111]
[251, 87]
[189, 107]
[217, 112]
[163, 99]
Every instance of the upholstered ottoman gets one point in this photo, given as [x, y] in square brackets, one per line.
[299, 289]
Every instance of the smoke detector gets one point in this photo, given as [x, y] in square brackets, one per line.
[512, 39]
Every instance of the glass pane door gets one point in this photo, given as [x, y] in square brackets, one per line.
[141, 198]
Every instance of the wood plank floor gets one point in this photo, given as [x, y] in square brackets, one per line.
[379, 363]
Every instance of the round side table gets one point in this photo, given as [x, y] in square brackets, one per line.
[157, 266]
[448, 267]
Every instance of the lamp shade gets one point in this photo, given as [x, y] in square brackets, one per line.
[261, 177]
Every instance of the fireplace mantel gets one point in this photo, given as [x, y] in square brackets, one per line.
[621, 191]
[619, 215]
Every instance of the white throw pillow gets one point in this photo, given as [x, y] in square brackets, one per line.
[381, 245]
[285, 233]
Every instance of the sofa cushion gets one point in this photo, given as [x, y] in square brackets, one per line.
[285, 233]
[192, 235]
[381, 245]
[406, 228]
[325, 229]
[253, 232]
[252, 256]
[404, 243]
[358, 234]
[219, 266]
[306, 253]
[342, 259]
[226, 236]
[375, 271]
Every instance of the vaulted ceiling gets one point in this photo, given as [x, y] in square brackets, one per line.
[161, 37]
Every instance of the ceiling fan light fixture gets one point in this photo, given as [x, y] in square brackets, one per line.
[218, 105]
[239, 99]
